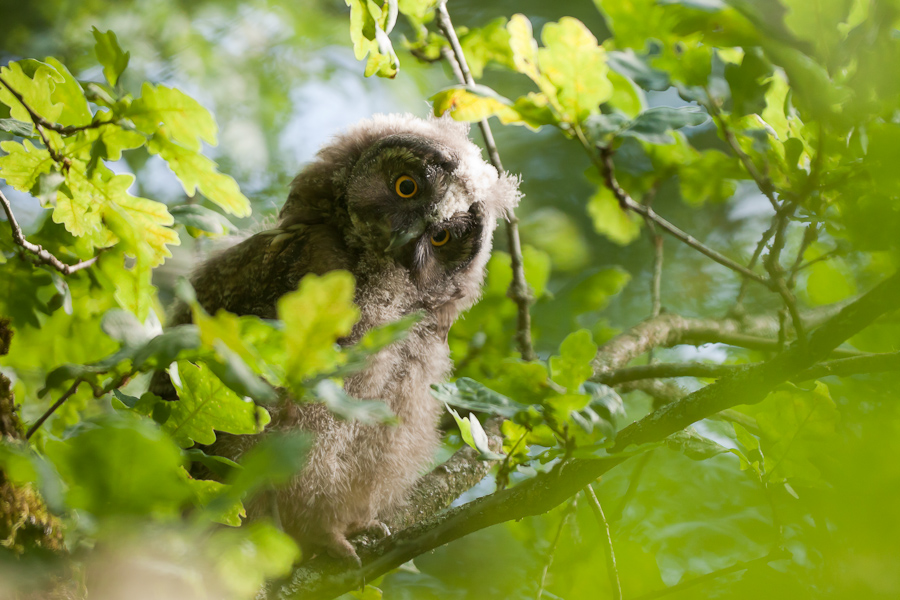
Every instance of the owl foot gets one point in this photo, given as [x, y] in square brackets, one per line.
[374, 529]
[338, 547]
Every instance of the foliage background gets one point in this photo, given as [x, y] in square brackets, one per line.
[281, 77]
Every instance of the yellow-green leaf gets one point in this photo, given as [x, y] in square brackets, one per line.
[576, 66]
[315, 316]
[196, 171]
[175, 114]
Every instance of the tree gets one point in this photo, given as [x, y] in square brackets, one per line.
[758, 462]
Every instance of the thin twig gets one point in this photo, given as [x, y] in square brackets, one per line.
[43, 256]
[776, 271]
[41, 122]
[611, 569]
[562, 523]
[633, 482]
[777, 554]
[657, 240]
[764, 184]
[738, 307]
[518, 289]
[809, 236]
[605, 166]
[62, 399]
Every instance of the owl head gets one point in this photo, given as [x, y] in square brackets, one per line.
[412, 194]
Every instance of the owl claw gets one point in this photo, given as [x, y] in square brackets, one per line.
[341, 549]
[375, 529]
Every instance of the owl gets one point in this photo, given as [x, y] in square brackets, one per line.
[408, 206]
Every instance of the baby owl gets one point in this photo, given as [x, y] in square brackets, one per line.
[407, 206]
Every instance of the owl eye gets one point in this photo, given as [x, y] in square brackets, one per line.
[406, 186]
[440, 238]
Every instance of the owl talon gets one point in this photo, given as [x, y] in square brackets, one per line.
[374, 529]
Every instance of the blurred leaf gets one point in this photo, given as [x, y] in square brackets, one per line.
[575, 66]
[573, 365]
[610, 220]
[829, 281]
[486, 44]
[748, 83]
[202, 218]
[653, 124]
[348, 408]
[245, 558]
[797, 428]
[694, 445]
[635, 67]
[118, 465]
[110, 55]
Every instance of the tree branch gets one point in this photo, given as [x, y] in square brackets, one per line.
[605, 165]
[519, 291]
[753, 384]
[43, 256]
[867, 363]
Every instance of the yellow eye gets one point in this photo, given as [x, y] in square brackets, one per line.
[406, 186]
[440, 238]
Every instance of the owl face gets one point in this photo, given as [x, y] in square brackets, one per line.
[408, 203]
[408, 195]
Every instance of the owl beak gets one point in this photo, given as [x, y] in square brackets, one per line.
[404, 236]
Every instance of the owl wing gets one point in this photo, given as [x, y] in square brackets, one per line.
[249, 278]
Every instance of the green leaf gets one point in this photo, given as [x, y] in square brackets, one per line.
[474, 436]
[610, 220]
[19, 128]
[35, 87]
[635, 68]
[24, 164]
[174, 114]
[99, 464]
[829, 281]
[245, 558]
[487, 44]
[573, 365]
[797, 428]
[710, 176]
[654, 124]
[202, 218]
[748, 92]
[367, 22]
[110, 55]
[206, 492]
[206, 405]
[693, 445]
[315, 316]
[523, 382]
[197, 172]
[575, 65]
[271, 462]
[469, 394]
[344, 406]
